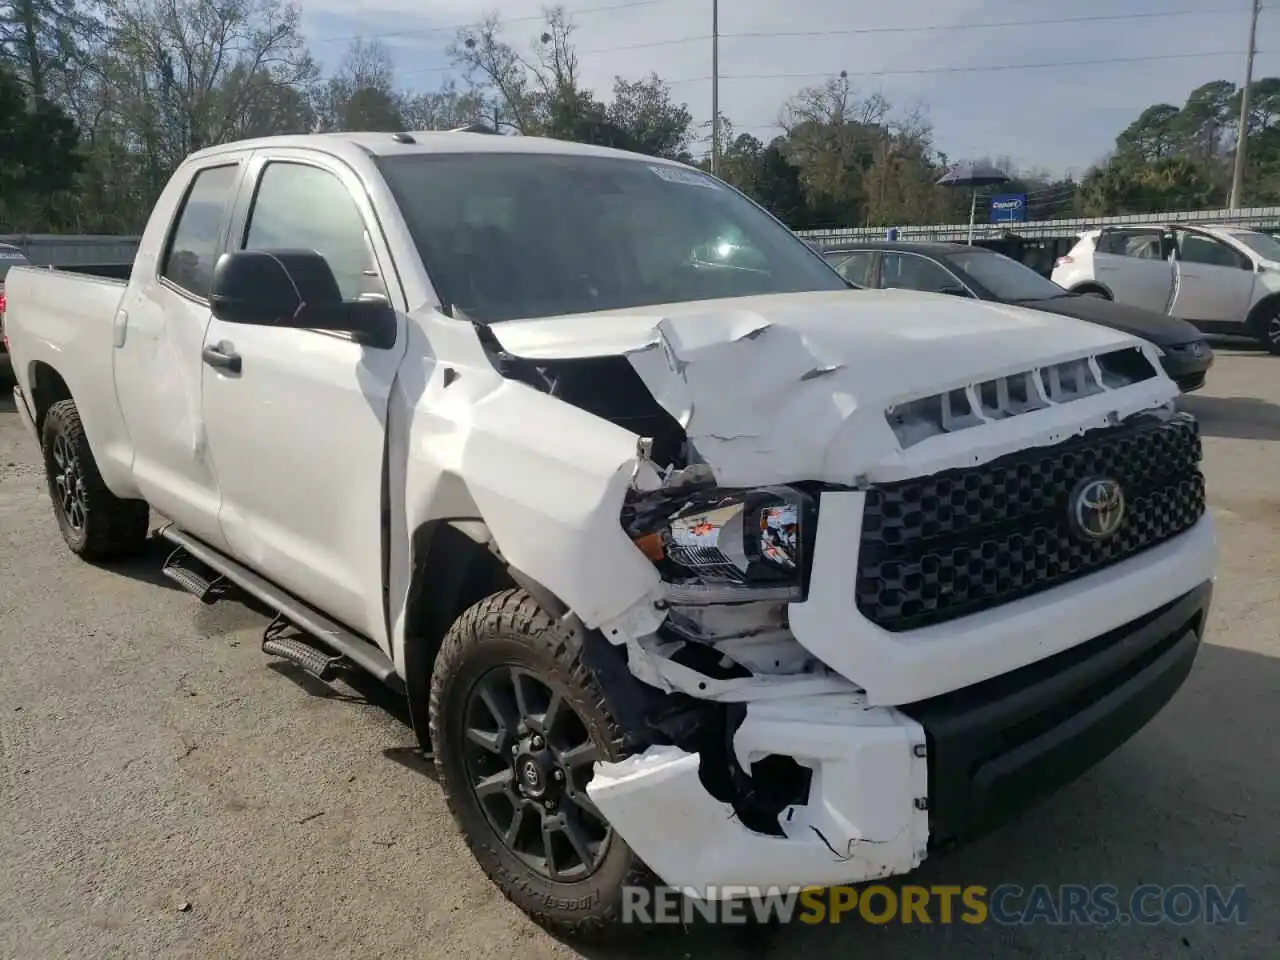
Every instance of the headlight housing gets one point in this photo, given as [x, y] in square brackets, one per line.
[735, 546]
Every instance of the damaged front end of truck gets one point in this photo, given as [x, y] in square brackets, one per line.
[766, 675]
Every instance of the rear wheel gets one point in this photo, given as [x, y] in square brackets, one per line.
[95, 524]
[517, 722]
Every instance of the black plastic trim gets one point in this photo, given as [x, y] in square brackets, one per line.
[998, 747]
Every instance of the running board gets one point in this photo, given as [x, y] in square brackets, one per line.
[306, 618]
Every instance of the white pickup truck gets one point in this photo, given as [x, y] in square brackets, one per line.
[695, 565]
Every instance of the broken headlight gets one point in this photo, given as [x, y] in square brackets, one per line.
[735, 547]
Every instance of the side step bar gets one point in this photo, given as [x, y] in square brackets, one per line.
[339, 639]
[191, 580]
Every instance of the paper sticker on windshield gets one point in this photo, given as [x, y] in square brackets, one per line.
[690, 178]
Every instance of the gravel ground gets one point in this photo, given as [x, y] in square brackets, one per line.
[166, 791]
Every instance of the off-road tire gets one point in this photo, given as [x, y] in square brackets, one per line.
[111, 528]
[511, 628]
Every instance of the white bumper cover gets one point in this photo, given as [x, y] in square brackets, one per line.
[866, 815]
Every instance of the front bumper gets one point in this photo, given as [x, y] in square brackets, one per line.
[997, 747]
[890, 783]
[1187, 364]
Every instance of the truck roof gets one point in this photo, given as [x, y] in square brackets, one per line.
[421, 141]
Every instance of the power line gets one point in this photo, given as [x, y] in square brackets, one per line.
[911, 72]
[1057, 21]
[539, 18]
[968, 69]
[773, 34]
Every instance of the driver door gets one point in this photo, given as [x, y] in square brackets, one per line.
[297, 426]
[1213, 281]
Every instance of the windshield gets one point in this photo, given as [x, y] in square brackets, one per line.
[1263, 244]
[1005, 278]
[519, 235]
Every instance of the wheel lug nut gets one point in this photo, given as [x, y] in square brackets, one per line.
[549, 805]
[559, 775]
[537, 743]
[515, 748]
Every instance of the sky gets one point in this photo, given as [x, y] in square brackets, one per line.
[996, 78]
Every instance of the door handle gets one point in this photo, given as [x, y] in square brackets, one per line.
[222, 356]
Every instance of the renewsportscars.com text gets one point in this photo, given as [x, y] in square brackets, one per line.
[1007, 904]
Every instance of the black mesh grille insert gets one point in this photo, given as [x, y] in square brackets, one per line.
[941, 547]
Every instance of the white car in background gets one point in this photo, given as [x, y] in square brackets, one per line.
[1223, 279]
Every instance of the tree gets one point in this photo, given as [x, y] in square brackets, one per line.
[40, 40]
[39, 155]
[778, 188]
[1153, 136]
[539, 94]
[445, 109]
[1204, 121]
[644, 109]
[1128, 187]
[181, 75]
[362, 94]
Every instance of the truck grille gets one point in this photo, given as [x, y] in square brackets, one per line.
[941, 547]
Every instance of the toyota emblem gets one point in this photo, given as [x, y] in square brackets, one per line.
[1097, 509]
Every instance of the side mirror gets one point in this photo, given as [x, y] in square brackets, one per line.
[295, 289]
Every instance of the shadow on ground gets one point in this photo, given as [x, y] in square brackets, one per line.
[1238, 418]
[7, 383]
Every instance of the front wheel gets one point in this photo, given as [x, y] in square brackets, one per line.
[518, 721]
[95, 524]
[1269, 332]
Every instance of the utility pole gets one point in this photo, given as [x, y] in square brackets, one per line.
[715, 86]
[1242, 134]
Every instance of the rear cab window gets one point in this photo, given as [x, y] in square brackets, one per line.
[196, 238]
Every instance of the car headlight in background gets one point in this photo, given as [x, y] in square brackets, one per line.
[735, 547]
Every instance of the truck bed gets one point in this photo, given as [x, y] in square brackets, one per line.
[66, 320]
[108, 271]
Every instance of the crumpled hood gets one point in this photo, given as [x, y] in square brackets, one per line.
[785, 387]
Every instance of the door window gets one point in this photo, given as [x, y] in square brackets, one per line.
[1142, 244]
[298, 206]
[1197, 248]
[196, 240]
[907, 271]
[854, 267]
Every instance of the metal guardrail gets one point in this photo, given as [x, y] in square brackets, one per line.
[47, 249]
[69, 250]
[1261, 217]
